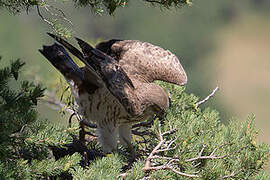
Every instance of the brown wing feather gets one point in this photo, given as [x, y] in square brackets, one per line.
[147, 62]
[115, 78]
[105, 65]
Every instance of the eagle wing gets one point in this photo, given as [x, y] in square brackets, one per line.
[123, 66]
[144, 61]
[61, 60]
[90, 74]
[115, 78]
[98, 64]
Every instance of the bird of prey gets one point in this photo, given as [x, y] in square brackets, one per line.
[116, 88]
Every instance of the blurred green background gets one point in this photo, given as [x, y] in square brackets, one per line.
[220, 43]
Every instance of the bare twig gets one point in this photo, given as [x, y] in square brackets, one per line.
[151, 155]
[169, 132]
[61, 15]
[228, 176]
[154, 1]
[184, 174]
[53, 11]
[167, 147]
[154, 151]
[233, 174]
[212, 154]
[171, 164]
[44, 19]
[164, 157]
[122, 175]
[157, 149]
[207, 98]
[169, 167]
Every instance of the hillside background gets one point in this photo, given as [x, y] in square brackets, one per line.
[225, 44]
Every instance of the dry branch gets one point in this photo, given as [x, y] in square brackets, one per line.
[43, 18]
[160, 148]
[212, 154]
[171, 163]
[53, 12]
[207, 98]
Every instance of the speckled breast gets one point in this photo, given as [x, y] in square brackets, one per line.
[103, 108]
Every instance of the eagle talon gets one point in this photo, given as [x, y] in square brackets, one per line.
[131, 149]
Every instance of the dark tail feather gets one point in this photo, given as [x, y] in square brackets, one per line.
[89, 50]
[60, 59]
[91, 55]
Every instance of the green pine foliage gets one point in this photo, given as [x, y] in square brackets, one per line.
[53, 14]
[15, 6]
[193, 142]
[24, 139]
[110, 6]
[201, 146]
[98, 6]
[108, 168]
[226, 151]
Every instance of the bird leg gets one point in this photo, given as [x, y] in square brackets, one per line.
[124, 134]
[125, 139]
[130, 149]
[82, 132]
[107, 137]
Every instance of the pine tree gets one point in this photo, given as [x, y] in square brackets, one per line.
[25, 140]
[98, 6]
[190, 143]
[55, 17]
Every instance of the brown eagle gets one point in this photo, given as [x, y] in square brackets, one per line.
[116, 86]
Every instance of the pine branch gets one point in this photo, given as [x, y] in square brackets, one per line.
[207, 97]
[158, 148]
[212, 154]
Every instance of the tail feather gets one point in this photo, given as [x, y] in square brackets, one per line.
[89, 50]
